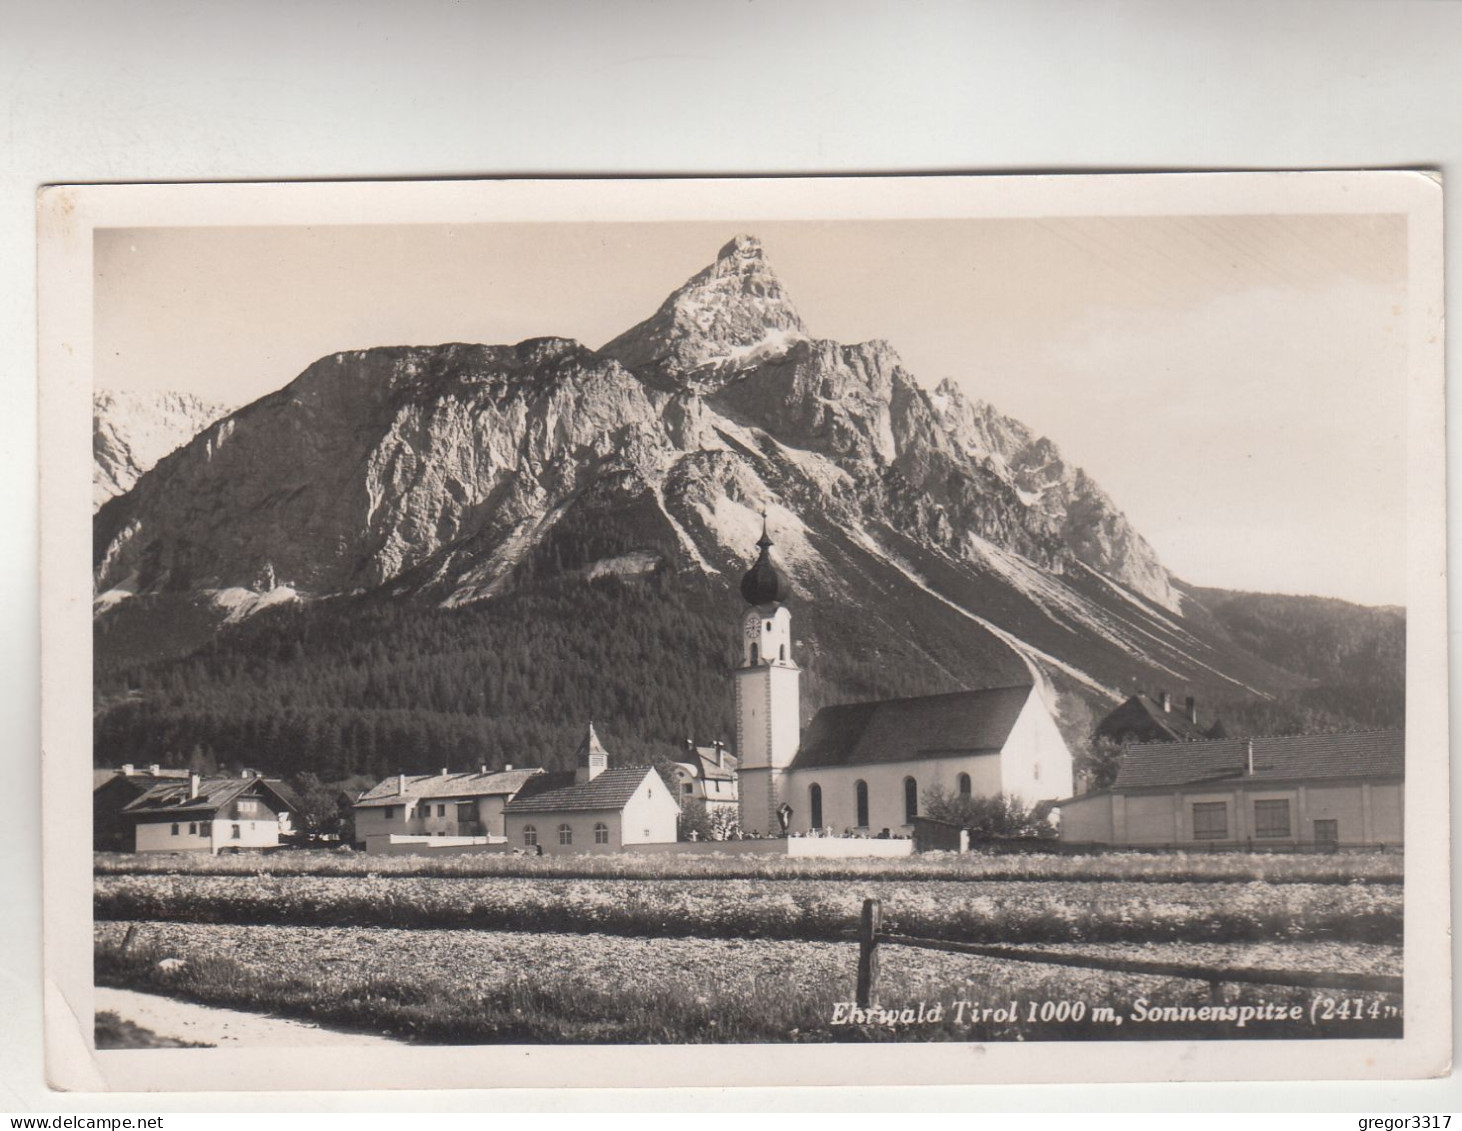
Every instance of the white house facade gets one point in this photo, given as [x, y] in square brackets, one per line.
[707, 776]
[212, 815]
[593, 809]
[445, 807]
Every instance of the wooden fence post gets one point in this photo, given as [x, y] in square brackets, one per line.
[868, 953]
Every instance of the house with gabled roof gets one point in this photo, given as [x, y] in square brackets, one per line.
[706, 775]
[1155, 718]
[438, 810]
[215, 814]
[111, 792]
[1281, 791]
[592, 808]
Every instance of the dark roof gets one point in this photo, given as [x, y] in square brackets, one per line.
[702, 759]
[423, 787]
[140, 778]
[612, 789]
[172, 797]
[904, 730]
[1145, 713]
[1351, 754]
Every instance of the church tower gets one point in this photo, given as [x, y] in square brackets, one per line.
[590, 759]
[768, 726]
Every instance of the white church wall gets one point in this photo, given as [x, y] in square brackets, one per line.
[1036, 764]
[649, 816]
[886, 790]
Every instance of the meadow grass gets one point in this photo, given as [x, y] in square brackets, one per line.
[460, 987]
[1130, 867]
[997, 911]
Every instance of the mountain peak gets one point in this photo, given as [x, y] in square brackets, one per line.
[741, 249]
[733, 313]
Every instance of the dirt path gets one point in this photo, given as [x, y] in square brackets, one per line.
[224, 1028]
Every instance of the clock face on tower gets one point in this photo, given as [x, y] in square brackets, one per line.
[751, 627]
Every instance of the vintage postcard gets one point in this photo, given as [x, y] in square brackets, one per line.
[910, 630]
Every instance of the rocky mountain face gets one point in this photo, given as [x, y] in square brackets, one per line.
[436, 472]
[132, 431]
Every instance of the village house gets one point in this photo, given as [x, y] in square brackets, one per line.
[1151, 718]
[706, 776]
[1290, 791]
[865, 767]
[215, 814]
[439, 810]
[592, 808]
[111, 792]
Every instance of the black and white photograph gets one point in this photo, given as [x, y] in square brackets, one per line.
[872, 612]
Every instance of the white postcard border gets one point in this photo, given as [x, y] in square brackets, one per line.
[69, 215]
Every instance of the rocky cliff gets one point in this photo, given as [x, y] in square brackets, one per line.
[132, 431]
[435, 472]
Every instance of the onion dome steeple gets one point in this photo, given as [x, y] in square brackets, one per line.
[764, 584]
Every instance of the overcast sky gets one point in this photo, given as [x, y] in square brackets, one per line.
[1237, 384]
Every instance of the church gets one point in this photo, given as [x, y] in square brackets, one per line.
[865, 767]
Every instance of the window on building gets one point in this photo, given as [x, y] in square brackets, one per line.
[1271, 818]
[860, 799]
[248, 807]
[530, 835]
[1210, 820]
[175, 830]
[911, 800]
[814, 804]
[782, 652]
[1327, 832]
[441, 810]
[687, 788]
[390, 812]
[755, 654]
[962, 783]
[601, 833]
[192, 828]
[565, 834]
[235, 834]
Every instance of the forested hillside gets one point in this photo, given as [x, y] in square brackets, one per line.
[371, 685]
[1355, 656]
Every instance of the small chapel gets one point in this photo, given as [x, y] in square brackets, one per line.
[864, 767]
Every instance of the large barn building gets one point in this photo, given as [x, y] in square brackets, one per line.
[1292, 791]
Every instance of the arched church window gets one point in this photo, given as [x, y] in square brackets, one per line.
[860, 797]
[911, 800]
[755, 654]
[601, 833]
[814, 804]
[962, 783]
[565, 834]
[530, 835]
[783, 651]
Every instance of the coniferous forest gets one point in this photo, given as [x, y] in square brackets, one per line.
[1354, 655]
[365, 686]
[371, 686]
